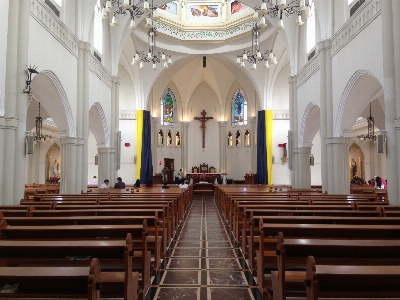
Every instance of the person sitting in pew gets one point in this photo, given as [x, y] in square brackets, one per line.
[120, 184]
[104, 185]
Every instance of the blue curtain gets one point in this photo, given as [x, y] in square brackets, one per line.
[262, 172]
[146, 171]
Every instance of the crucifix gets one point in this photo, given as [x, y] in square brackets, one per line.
[203, 119]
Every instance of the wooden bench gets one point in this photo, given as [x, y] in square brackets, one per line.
[292, 253]
[114, 255]
[344, 281]
[53, 282]
[269, 233]
[84, 232]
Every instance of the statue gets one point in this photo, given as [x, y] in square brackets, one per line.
[56, 168]
[353, 166]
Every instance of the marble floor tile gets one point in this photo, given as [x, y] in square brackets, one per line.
[181, 277]
[226, 277]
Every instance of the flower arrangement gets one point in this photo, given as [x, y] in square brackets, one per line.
[357, 180]
[54, 179]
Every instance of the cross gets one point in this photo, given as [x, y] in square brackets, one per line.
[203, 119]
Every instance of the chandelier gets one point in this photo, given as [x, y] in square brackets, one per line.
[152, 56]
[255, 54]
[280, 8]
[39, 136]
[123, 8]
[370, 136]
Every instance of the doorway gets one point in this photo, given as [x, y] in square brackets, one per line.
[169, 175]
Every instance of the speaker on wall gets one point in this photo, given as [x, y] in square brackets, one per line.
[381, 143]
[29, 144]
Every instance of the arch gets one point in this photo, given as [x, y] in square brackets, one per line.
[310, 124]
[361, 89]
[359, 160]
[239, 108]
[48, 90]
[98, 125]
[48, 163]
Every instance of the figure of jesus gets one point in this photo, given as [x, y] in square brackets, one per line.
[353, 166]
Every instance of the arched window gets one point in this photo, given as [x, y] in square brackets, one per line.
[168, 108]
[98, 29]
[311, 29]
[239, 109]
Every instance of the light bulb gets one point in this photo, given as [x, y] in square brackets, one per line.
[262, 22]
[266, 65]
[244, 56]
[148, 24]
[302, 5]
[104, 14]
[163, 56]
[114, 21]
[165, 64]
[133, 61]
[238, 60]
[141, 65]
[146, 6]
[154, 67]
[242, 64]
[308, 13]
[169, 60]
[255, 16]
[133, 25]
[126, 4]
[299, 21]
[275, 61]
[258, 54]
[282, 4]
[254, 67]
[280, 25]
[109, 6]
[155, 15]
[149, 55]
[264, 8]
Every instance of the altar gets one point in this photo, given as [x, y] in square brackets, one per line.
[206, 177]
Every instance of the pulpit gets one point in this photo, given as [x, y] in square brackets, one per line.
[249, 178]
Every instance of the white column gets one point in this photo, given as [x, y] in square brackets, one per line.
[2, 159]
[114, 125]
[252, 121]
[293, 127]
[67, 166]
[391, 63]
[85, 116]
[339, 174]
[106, 155]
[222, 147]
[326, 109]
[185, 146]
[304, 171]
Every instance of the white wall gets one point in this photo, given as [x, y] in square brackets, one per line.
[128, 135]
[3, 51]
[316, 169]
[92, 151]
[280, 170]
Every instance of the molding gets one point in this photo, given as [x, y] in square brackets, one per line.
[100, 71]
[308, 70]
[280, 115]
[363, 17]
[45, 17]
[127, 114]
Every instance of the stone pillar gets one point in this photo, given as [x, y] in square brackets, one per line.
[106, 155]
[67, 167]
[326, 109]
[15, 102]
[114, 125]
[252, 121]
[339, 174]
[222, 147]
[303, 164]
[293, 128]
[2, 154]
[185, 146]
[391, 65]
[33, 163]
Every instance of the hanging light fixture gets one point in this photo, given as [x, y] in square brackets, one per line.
[31, 70]
[278, 8]
[370, 136]
[255, 55]
[122, 8]
[39, 136]
[152, 56]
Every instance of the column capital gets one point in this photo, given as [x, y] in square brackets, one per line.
[103, 150]
[222, 123]
[185, 124]
[324, 45]
[292, 79]
[85, 46]
[116, 80]
[337, 140]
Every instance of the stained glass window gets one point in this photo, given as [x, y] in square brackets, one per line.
[239, 109]
[168, 108]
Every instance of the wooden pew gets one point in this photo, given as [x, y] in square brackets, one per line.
[53, 282]
[113, 255]
[344, 281]
[84, 232]
[269, 233]
[292, 253]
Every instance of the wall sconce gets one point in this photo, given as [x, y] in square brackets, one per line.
[96, 160]
[311, 159]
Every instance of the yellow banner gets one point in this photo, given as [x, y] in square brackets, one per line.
[268, 140]
[139, 140]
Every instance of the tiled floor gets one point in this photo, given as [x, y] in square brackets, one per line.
[203, 263]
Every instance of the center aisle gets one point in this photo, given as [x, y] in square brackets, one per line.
[203, 262]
